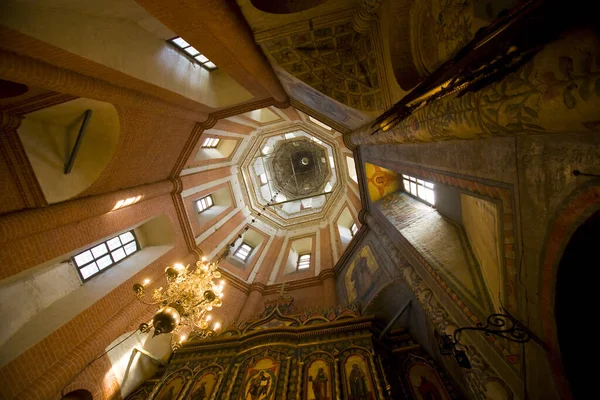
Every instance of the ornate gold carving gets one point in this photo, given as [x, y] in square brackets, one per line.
[299, 389]
[236, 369]
[375, 374]
[336, 371]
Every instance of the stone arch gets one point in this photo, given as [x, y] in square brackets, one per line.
[285, 6]
[48, 136]
[578, 209]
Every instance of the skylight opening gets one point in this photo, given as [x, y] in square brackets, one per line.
[263, 179]
[419, 188]
[192, 53]
[317, 122]
[210, 143]
[306, 203]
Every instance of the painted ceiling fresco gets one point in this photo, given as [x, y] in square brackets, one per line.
[335, 60]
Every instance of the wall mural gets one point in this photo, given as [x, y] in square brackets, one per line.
[321, 355]
[425, 382]
[363, 278]
[380, 181]
[317, 101]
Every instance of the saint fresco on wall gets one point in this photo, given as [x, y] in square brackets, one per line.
[172, 388]
[359, 385]
[318, 383]
[260, 380]
[361, 278]
[425, 383]
[203, 387]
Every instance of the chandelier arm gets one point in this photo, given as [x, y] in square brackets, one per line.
[146, 303]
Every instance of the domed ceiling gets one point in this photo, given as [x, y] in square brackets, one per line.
[291, 171]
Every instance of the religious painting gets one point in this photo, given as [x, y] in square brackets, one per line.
[363, 277]
[203, 387]
[172, 388]
[425, 382]
[318, 381]
[260, 380]
[380, 181]
[359, 385]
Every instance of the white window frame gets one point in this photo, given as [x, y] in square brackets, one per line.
[243, 252]
[210, 143]
[423, 190]
[204, 203]
[303, 261]
[189, 51]
[113, 250]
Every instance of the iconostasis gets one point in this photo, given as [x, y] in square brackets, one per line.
[308, 355]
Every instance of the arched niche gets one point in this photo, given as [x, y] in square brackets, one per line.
[575, 289]
[285, 6]
[48, 136]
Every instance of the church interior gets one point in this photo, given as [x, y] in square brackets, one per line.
[298, 199]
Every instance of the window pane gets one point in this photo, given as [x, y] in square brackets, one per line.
[83, 258]
[104, 261]
[209, 201]
[406, 185]
[420, 181]
[180, 42]
[429, 185]
[191, 51]
[126, 237]
[413, 188]
[89, 270]
[99, 250]
[263, 179]
[118, 254]
[202, 58]
[114, 243]
[210, 65]
[130, 248]
[405, 176]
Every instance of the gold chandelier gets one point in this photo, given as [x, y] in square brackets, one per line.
[185, 304]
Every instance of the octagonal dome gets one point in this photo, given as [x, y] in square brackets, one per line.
[299, 167]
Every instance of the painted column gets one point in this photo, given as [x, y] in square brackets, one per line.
[558, 91]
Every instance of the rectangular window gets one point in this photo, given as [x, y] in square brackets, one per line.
[353, 229]
[243, 251]
[303, 262]
[192, 53]
[210, 143]
[419, 188]
[93, 261]
[204, 203]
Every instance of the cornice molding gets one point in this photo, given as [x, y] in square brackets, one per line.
[315, 114]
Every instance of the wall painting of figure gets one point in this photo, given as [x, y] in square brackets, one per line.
[318, 381]
[358, 380]
[363, 278]
[425, 383]
[260, 380]
[172, 388]
[203, 387]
